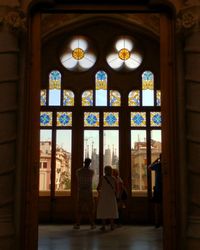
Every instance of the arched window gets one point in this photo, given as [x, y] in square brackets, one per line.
[101, 88]
[54, 88]
[147, 89]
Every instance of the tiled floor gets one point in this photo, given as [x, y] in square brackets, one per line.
[123, 238]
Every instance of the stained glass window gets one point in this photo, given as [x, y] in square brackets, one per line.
[64, 119]
[134, 98]
[68, 98]
[78, 55]
[115, 98]
[124, 55]
[45, 119]
[43, 97]
[87, 98]
[110, 119]
[138, 119]
[54, 88]
[158, 98]
[155, 119]
[147, 88]
[91, 119]
[101, 88]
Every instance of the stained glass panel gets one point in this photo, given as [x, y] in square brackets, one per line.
[64, 119]
[46, 119]
[54, 88]
[101, 88]
[87, 98]
[158, 98]
[147, 80]
[43, 97]
[115, 98]
[91, 119]
[55, 79]
[155, 119]
[147, 88]
[110, 119]
[68, 98]
[134, 98]
[138, 119]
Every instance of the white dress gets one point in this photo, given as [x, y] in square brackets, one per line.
[107, 203]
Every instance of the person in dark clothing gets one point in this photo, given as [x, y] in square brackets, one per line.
[157, 192]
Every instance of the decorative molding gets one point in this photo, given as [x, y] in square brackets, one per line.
[188, 18]
[15, 19]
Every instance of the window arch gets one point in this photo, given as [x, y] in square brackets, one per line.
[101, 88]
[147, 88]
[54, 88]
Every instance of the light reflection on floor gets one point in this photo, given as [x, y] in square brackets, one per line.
[64, 237]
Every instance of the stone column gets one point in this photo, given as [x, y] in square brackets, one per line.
[10, 24]
[189, 24]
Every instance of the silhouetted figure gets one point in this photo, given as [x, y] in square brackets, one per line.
[107, 202]
[85, 200]
[157, 192]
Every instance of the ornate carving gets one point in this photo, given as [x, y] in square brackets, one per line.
[188, 18]
[14, 19]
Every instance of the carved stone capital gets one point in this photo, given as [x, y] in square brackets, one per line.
[188, 18]
[15, 19]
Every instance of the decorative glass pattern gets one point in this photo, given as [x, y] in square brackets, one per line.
[111, 119]
[78, 54]
[101, 89]
[64, 119]
[68, 98]
[115, 98]
[124, 55]
[158, 98]
[91, 119]
[43, 97]
[134, 98]
[87, 98]
[147, 80]
[101, 80]
[54, 80]
[138, 119]
[46, 119]
[155, 119]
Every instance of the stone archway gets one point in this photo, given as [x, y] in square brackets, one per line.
[32, 112]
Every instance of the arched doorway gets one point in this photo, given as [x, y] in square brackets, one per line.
[100, 89]
[32, 159]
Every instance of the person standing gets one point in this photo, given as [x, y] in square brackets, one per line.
[107, 203]
[85, 200]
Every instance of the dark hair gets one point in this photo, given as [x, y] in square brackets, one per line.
[87, 161]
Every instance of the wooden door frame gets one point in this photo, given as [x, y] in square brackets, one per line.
[29, 218]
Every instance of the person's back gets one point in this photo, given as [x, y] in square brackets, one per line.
[84, 177]
[84, 194]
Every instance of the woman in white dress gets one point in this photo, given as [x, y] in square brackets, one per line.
[107, 203]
